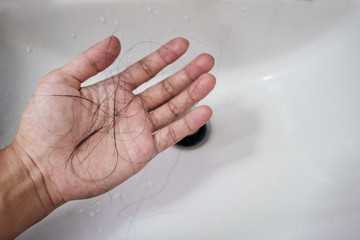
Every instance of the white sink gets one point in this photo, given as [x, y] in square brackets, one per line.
[283, 157]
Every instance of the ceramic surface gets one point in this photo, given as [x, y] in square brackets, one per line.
[283, 157]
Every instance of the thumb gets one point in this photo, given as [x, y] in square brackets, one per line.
[92, 61]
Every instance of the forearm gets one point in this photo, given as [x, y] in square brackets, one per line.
[23, 195]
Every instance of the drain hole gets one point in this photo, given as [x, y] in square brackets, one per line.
[195, 139]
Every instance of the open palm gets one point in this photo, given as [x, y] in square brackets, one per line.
[86, 140]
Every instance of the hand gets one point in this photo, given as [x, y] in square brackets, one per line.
[84, 141]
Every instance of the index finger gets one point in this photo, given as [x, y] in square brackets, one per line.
[147, 68]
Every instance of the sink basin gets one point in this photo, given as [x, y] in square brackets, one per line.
[283, 157]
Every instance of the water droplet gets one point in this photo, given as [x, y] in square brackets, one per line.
[81, 210]
[243, 9]
[116, 22]
[102, 19]
[28, 49]
[91, 214]
[267, 78]
[73, 35]
[186, 18]
[77, 226]
[149, 8]
[97, 210]
[100, 230]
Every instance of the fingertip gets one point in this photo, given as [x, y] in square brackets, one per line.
[201, 115]
[210, 59]
[211, 80]
[203, 86]
[114, 38]
[182, 40]
[173, 49]
[178, 45]
[113, 44]
[207, 112]
[205, 61]
[104, 53]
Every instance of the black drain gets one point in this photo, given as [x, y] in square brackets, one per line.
[195, 139]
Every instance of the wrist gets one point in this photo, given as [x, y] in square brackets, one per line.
[24, 196]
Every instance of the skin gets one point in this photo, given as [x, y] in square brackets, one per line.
[78, 142]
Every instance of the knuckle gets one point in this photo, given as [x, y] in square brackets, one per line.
[166, 55]
[155, 121]
[91, 63]
[187, 124]
[191, 97]
[172, 134]
[127, 76]
[174, 109]
[186, 75]
[148, 101]
[146, 68]
[169, 88]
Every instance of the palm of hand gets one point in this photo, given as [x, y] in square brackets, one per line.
[88, 140]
